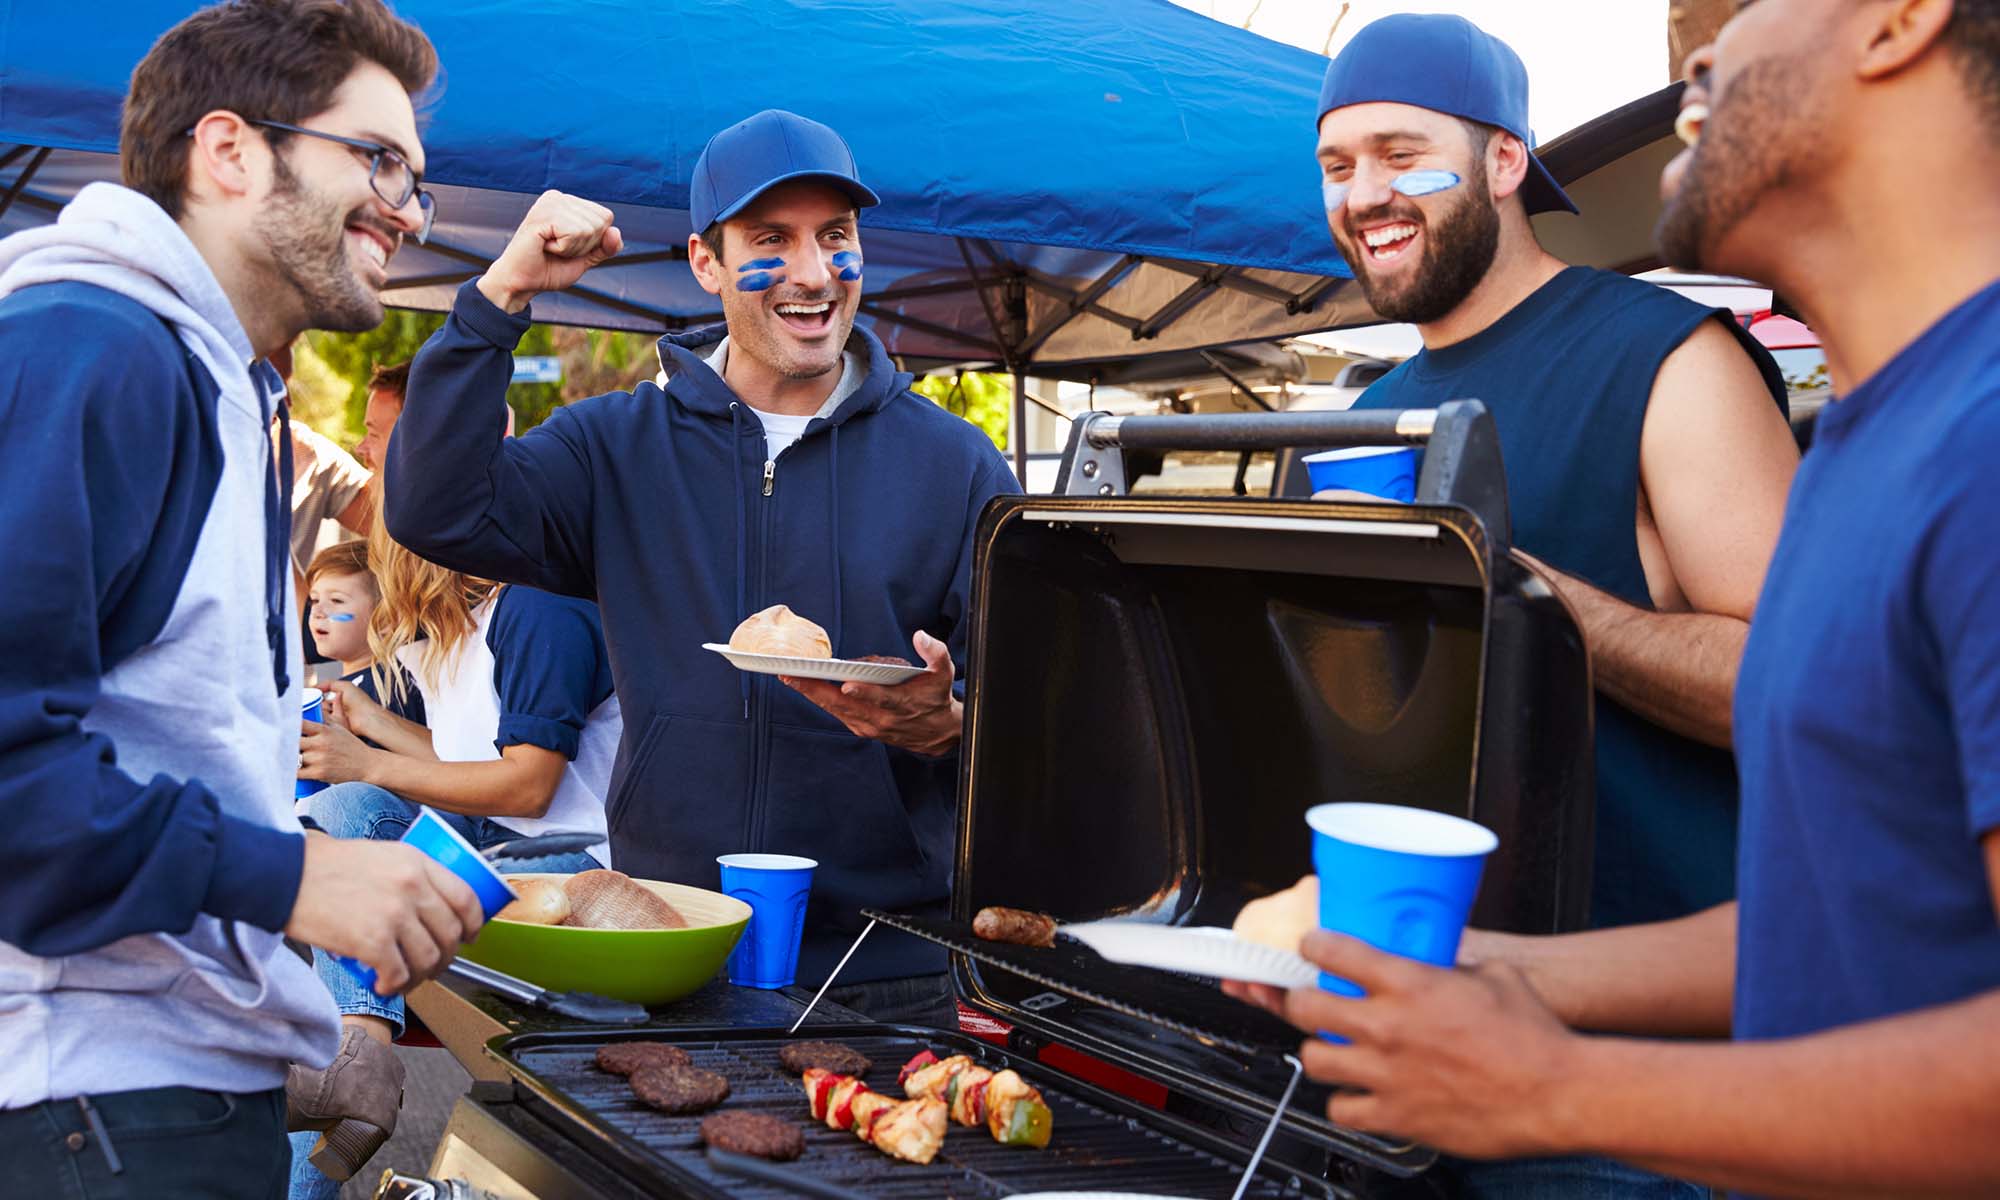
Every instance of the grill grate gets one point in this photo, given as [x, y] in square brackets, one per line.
[1093, 1147]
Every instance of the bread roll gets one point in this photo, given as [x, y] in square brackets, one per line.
[780, 631]
[1282, 919]
[610, 900]
[542, 902]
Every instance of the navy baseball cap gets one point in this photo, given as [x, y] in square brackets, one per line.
[1447, 64]
[745, 160]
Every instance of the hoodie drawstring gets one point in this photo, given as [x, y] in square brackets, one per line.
[833, 511]
[742, 531]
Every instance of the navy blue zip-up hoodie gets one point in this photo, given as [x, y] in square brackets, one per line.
[659, 506]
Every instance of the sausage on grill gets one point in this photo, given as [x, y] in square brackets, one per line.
[1015, 925]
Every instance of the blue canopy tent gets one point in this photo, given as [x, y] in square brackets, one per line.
[1065, 185]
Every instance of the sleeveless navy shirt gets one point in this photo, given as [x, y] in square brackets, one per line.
[1567, 374]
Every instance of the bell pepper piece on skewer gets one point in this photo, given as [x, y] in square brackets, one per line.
[923, 1059]
[1016, 1114]
[819, 1085]
[840, 1102]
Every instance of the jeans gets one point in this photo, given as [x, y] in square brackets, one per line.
[362, 810]
[916, 1000]
[1565, 1178]
[172, 1143]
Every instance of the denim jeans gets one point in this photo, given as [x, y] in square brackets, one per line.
[1566, 1178]
[362, 810]
[915, 1000]
[172, 1143]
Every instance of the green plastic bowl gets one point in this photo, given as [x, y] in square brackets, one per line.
[644, 966]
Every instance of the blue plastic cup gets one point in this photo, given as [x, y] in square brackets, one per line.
[1400, 879]
[1386, 471]
[435, 837]
[311, 712]
[775, 887]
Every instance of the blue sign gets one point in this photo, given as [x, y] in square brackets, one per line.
[529, 369]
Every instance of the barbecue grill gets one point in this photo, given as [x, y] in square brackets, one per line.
[1159, 687]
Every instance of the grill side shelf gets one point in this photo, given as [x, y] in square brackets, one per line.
[1182, 1004]
[1159, 997]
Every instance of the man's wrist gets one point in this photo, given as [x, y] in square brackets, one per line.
[1586, 1101]
[503, 298]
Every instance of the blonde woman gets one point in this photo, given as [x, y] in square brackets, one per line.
[523, 728]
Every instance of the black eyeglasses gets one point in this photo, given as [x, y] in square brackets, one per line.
[390, 175]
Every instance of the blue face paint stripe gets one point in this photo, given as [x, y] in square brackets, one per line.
[1410, 183]
[340, 616]
[1424, 183]
[757, 275]
[847, 266]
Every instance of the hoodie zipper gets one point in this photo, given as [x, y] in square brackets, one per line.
[753, 832]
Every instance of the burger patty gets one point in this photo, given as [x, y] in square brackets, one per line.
[759, 1134]
[800, 1057]
[623, 1058]
[679, 1091]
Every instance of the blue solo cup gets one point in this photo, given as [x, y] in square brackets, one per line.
[1386, 471]
[775, 887]
[1400, 879]
[311, 712]
[435, 837]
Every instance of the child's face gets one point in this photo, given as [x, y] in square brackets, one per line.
[341, 606]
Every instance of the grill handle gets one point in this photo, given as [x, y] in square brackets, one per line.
[1461, 461]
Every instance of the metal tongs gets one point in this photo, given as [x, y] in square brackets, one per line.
[541, 846]
[583, 1006]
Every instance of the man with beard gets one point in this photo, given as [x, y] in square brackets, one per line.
[1848, 153]
[149, 665]
[1644, 436]
[783, 461]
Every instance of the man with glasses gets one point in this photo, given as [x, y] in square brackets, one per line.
[390, 175]
[149, 667]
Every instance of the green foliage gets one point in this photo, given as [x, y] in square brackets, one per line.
[353, 356]
[594, 361]
[981, 397]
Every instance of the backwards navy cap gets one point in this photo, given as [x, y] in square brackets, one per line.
[1446, 64]
[750, 157]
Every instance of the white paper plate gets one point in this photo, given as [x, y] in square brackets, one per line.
[1198, 951]
[815, 668]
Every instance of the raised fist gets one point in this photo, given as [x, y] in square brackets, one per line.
[562, 237]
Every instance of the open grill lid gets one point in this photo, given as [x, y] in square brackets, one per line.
[1159, 688]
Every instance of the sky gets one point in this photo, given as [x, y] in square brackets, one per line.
[1584, 57]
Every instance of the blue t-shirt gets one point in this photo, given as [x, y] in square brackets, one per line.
[550, 668]
[1868, 704]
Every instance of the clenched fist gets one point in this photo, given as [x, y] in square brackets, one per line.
[562, 237]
